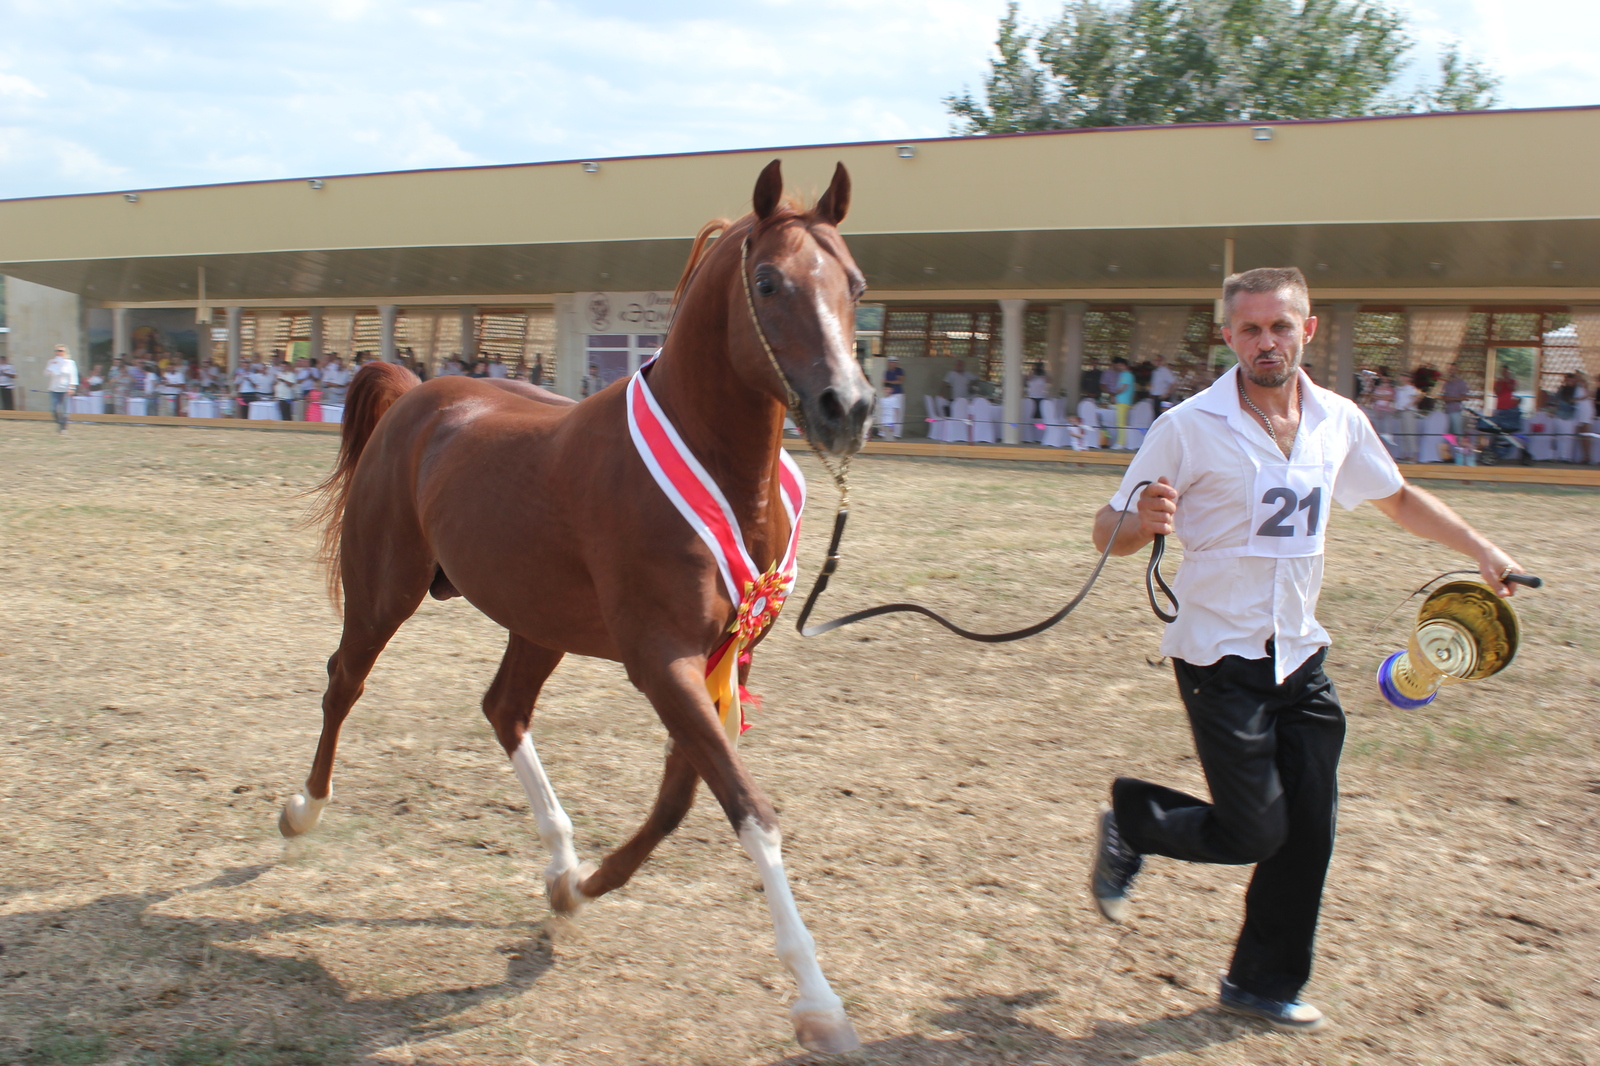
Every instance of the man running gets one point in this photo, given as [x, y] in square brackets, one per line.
[1245, 474]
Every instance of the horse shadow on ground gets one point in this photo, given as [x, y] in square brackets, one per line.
[987, 1031]
[75, 985]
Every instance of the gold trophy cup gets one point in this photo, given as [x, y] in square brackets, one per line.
[1464, 632]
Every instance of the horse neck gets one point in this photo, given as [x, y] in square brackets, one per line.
[735, 431]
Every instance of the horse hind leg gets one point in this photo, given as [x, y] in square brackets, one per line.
[509, 707]
[375, 607]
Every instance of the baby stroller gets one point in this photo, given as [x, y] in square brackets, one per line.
[1503, 446]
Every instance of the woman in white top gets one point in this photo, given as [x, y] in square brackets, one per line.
[172, 386]
[1406, 396]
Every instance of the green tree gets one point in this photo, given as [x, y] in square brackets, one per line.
[1155, 62]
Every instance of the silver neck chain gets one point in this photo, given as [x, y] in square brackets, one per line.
[1300, 410]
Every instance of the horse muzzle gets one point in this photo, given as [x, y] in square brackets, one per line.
[838, 417]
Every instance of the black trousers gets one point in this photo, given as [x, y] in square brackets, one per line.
[1271, 758]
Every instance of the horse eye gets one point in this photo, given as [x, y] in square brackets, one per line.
[765, 285]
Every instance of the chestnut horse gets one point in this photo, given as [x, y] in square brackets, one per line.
[542, 514]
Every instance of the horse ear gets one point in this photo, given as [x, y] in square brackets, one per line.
[769, 189]
[835, 203]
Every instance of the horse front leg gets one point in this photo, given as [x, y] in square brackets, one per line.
[677, 690]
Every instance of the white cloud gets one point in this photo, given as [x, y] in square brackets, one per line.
[132, 93]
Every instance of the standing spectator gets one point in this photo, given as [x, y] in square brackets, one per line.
[591, 381]
[497, 369]
[1162, 382]
[1089, 383]
[241, 388]
[61, 374]
[894, 377]
[1108, 378]
[536, 375]
[261, 381]
[1383, 406]
[1507, 405]
[8, 384]
[173, 383]
[1122, 397]
[1564, 408]
[306, 377]
[958, 381]
[1406, 398]
[1455, 393]
[1586, 449]
[1038, 392]
[335, 379]
[283, 390]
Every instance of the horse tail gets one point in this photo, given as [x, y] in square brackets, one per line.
[372, 392]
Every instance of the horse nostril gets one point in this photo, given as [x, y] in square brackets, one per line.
[832, 408]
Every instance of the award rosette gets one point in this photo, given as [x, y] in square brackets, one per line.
[1463, 632]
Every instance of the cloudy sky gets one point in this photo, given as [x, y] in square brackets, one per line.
[120, 94]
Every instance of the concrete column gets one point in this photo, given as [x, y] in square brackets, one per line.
[316, 335]
[202, 341]
[1072, 356]
[121, 332]
[387, 314]
[469, 335]
[235, 339]
[1054, 340]
[1344, 349]
[1011, 338]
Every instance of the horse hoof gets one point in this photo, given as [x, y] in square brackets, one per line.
[300, 814]
[562, 889]
[827, 1031]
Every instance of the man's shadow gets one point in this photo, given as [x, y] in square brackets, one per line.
[49, 987]
[987, 1030]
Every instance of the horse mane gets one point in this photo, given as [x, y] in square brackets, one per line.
[788, 209]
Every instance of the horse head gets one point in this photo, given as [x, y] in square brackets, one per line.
[792, 314]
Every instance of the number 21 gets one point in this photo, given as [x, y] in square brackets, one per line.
[1276, 527]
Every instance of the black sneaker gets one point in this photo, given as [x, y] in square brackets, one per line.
[1291, 1017]
[1115, 866]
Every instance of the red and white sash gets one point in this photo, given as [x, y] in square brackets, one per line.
[759, 595]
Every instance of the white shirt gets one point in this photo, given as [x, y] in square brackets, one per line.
[497, 370]
[960, 382]
[63, 374]
[1038, 387]
[175, 380]
[335, 376]
[1215, 454]
[8, 375]
[1161, 382]
[1406, 397]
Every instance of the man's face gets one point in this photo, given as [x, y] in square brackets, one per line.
[960, 366]
[1269, 336]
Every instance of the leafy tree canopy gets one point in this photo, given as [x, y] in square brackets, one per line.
[1155, 62]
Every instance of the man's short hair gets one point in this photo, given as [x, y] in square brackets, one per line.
[1267, 280]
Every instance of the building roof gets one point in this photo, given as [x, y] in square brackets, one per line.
[1502, 203]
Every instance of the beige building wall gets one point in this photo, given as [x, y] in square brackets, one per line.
[40, 318]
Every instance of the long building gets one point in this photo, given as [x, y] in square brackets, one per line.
[1471, 238]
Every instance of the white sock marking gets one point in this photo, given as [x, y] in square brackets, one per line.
[796, 949]
[555, 828]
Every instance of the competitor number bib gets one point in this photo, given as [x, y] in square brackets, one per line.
[1289, 509]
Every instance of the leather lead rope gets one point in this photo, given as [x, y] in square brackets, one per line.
[840, 473]
[1152, 579]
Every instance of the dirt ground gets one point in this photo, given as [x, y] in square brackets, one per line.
[161, 650]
